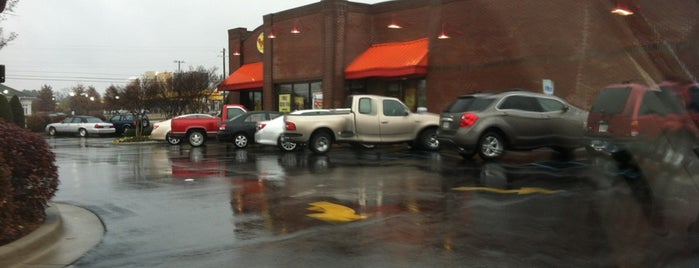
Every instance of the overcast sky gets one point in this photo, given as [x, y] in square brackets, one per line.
[63, 43]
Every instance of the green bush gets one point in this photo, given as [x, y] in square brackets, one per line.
[33, 178]
[17, 112]
[37, 122]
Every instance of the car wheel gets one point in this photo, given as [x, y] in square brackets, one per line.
[82, 132]
[171, 140]
[196, 138]
[52, 131]
[491, 146]
[320, 143]
[286, 145]
[427, 140]
[240, 140]
[125, 129]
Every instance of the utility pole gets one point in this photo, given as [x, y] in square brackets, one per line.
[178, 65]
[223, 55]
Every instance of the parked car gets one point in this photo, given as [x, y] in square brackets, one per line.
[198, 129]
[269, 132]
[82, 125]
[491, 123]
[632, 115]
[241, 129]
[124, 122]
[366, 120]
[161, 130]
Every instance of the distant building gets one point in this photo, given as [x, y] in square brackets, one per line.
[25, 98]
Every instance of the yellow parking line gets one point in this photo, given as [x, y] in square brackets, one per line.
[333, 213]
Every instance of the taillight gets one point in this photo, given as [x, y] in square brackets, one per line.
[468, 119]
[99, 126]
[222, 127]
[634, 128]
[261, 126]
[290, 126]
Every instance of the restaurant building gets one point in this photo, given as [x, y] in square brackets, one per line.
[427, 52]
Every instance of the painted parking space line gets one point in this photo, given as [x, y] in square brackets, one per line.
[333, 213]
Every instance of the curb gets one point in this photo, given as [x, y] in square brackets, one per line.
[33, 243]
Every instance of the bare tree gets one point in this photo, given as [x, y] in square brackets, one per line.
[189, 89]
[6, 6]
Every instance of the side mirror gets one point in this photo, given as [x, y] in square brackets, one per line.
[421, 110]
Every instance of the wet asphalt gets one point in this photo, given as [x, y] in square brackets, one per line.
[217, 206]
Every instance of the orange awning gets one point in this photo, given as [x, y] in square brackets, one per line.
[247, 76]
[391, 60]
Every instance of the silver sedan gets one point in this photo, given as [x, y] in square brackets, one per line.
[82, 125]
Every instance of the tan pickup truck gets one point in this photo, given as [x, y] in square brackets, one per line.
[369, 120]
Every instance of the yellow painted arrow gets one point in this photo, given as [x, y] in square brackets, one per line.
[523, 190]
[333, 213]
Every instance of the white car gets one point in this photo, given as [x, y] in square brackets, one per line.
[82, 125]
[161, 130]
[268, 132]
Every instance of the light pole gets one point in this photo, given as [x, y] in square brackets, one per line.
[178, 65]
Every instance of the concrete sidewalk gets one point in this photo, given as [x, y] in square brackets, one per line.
[68, 233]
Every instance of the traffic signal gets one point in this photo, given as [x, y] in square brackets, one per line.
[2, 73]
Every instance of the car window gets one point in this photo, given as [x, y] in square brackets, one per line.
[469, 104]
[234, 111]
[551, 105]
[256, 117]
[523, 103]
[393, 108]
[658, 102]
[365, 106]
[92, 120]
[67, 120]
[611, 101]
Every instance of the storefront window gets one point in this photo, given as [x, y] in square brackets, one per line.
[252, 100]
[299, 96]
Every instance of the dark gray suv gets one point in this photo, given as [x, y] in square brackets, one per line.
[491, 123]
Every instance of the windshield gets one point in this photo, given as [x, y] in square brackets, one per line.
[469, 104]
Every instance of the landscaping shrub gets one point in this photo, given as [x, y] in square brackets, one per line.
[17, 112]
[33, 178]
[37, 122]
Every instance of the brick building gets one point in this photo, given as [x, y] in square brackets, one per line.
[340, 47]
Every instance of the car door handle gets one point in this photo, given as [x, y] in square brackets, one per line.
[384, 122]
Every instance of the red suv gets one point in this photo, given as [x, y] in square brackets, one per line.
[626, 113]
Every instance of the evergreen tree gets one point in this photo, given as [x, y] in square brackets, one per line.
[17, 111]
[5, 111]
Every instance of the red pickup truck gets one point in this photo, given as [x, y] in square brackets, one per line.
[197, 130]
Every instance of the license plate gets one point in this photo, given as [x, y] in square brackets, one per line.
[602, 128]
[446, 125]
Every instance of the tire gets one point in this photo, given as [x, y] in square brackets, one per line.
[52, 131]
[126, 128]
[287, 146]
[320, 143]
[427, 140]
[491, 146]
[171, 140]
[82, 132]
[196, 138]
[240, 140]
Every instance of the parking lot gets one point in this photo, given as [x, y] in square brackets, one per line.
[214, 206]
